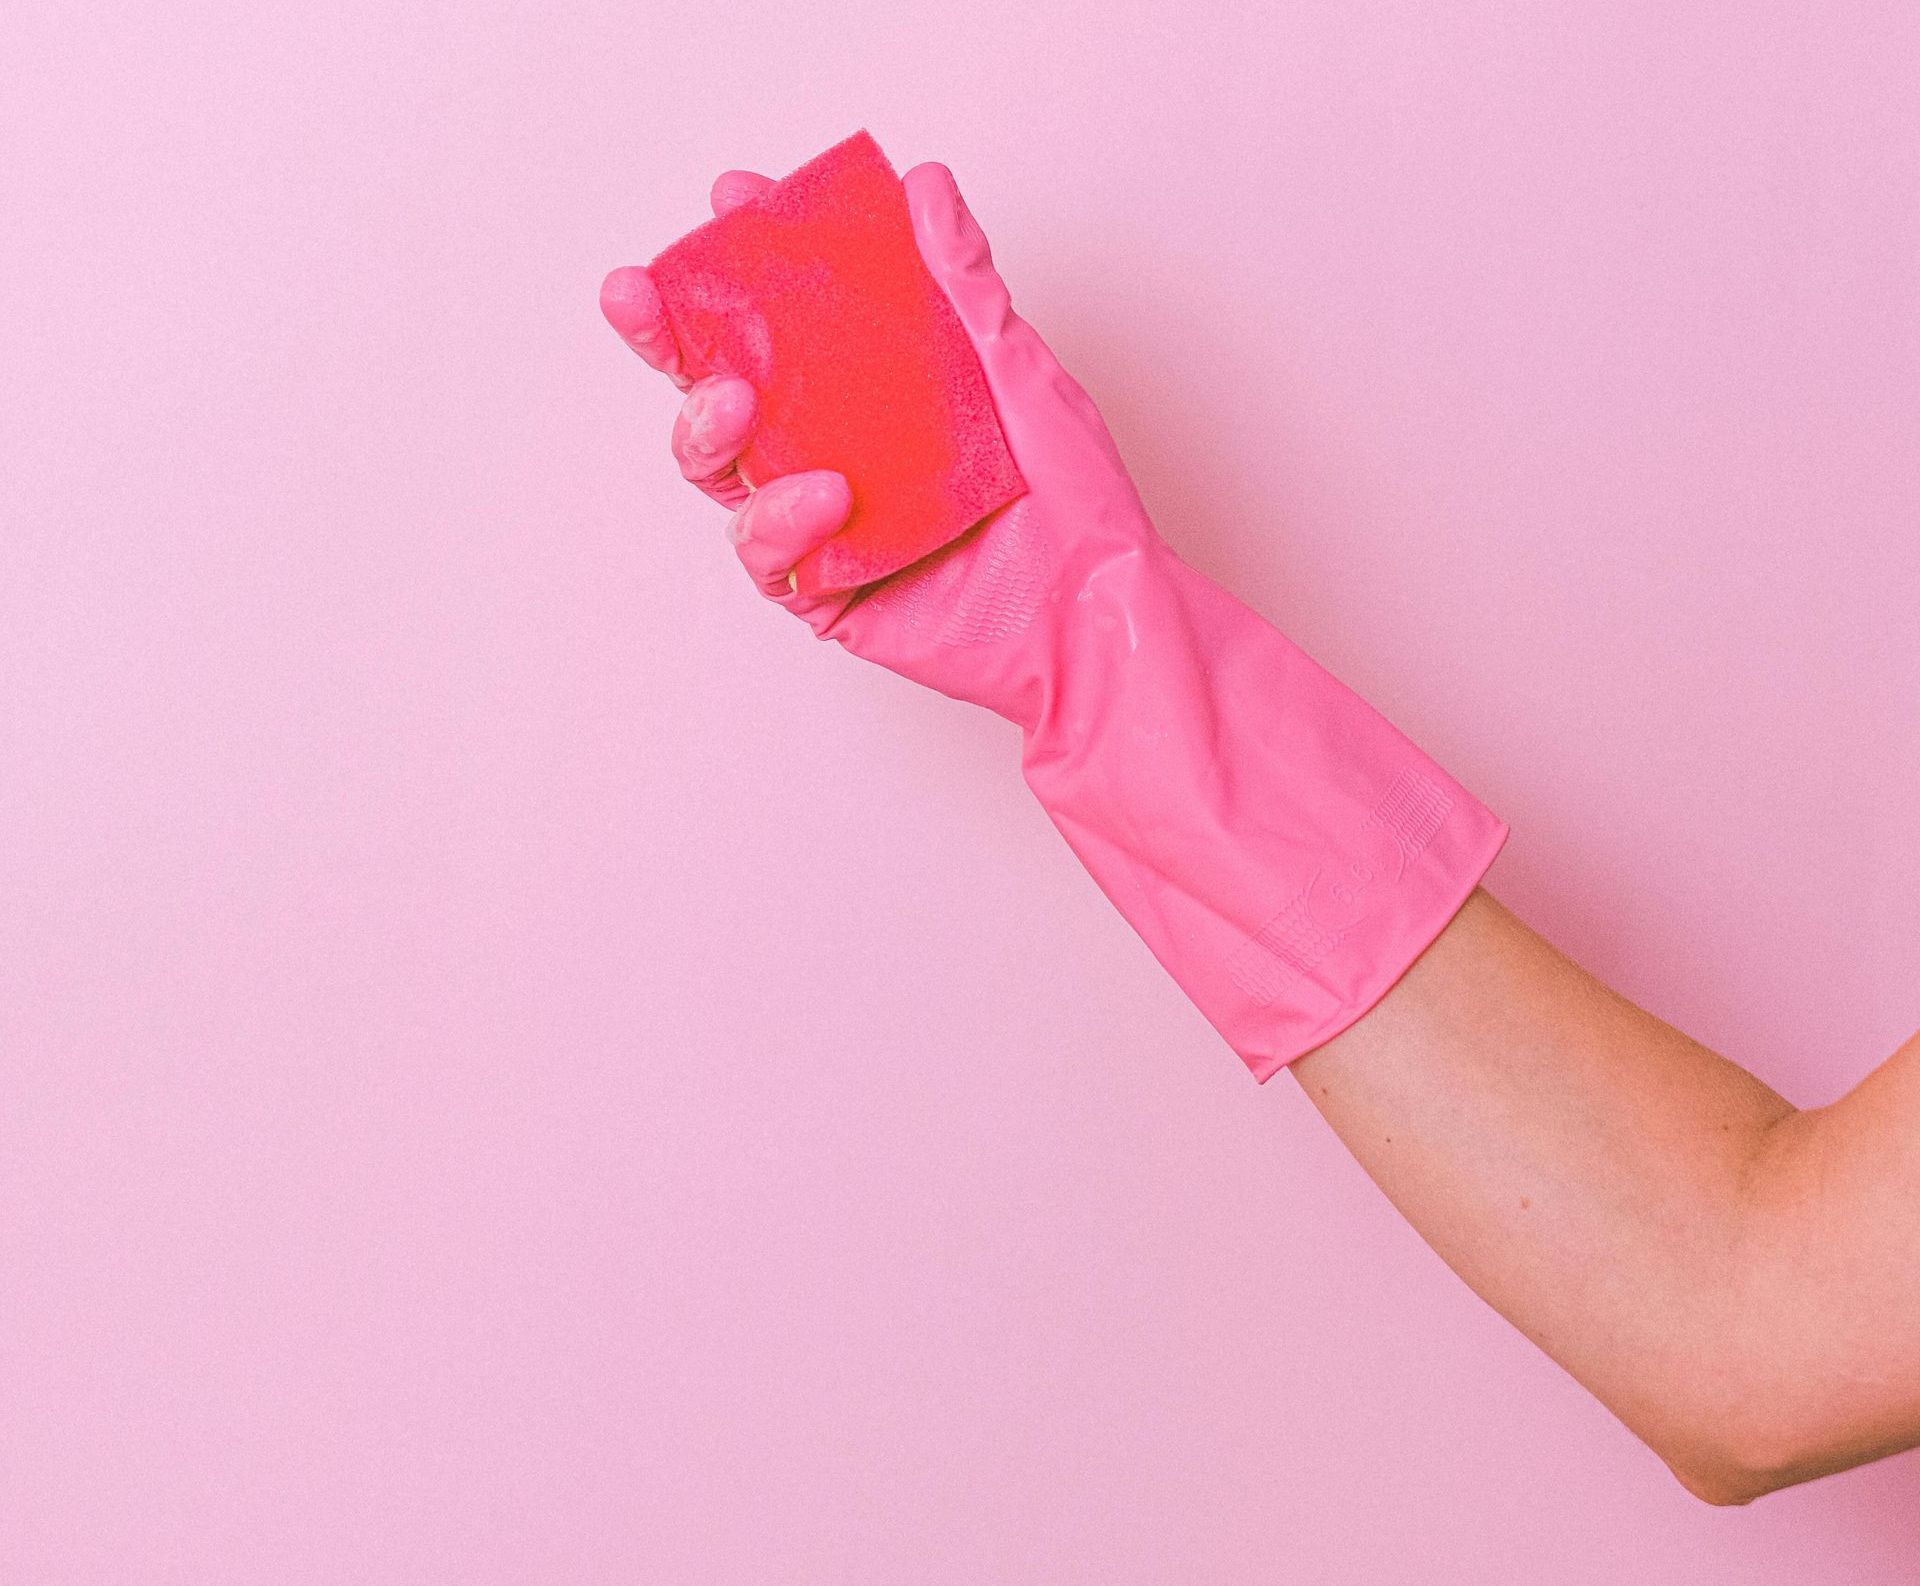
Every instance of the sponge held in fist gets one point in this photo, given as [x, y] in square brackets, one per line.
[815, 292]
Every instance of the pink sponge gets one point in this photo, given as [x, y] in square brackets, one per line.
[815, 292]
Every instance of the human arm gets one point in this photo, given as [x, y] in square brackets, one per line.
[1738, 1281]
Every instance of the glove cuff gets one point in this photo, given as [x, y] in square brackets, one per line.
[1284, 851]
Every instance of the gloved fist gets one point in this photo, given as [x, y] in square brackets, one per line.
[962, 620]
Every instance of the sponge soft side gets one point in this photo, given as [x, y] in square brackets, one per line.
[816, 293]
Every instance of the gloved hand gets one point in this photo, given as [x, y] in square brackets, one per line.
[1281, 848]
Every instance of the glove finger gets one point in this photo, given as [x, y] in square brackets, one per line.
[959, 258]
[731, 189]
[631, 303]
[1030, 388]
[782, 521]
[722, 433]
[712, 429]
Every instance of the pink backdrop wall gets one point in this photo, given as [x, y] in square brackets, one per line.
[521, 1066]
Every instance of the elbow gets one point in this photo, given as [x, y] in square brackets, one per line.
[1746, 1455]
[1725, 1483]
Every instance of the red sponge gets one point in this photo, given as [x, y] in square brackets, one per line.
[815, 292]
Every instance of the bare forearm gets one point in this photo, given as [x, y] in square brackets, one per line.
[1634, 1203]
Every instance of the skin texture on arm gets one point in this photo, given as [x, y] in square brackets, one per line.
[1738, 1281]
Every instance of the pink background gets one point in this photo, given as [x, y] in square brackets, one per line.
[521, 1066]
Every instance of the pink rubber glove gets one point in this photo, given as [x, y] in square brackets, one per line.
[1283, 850]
